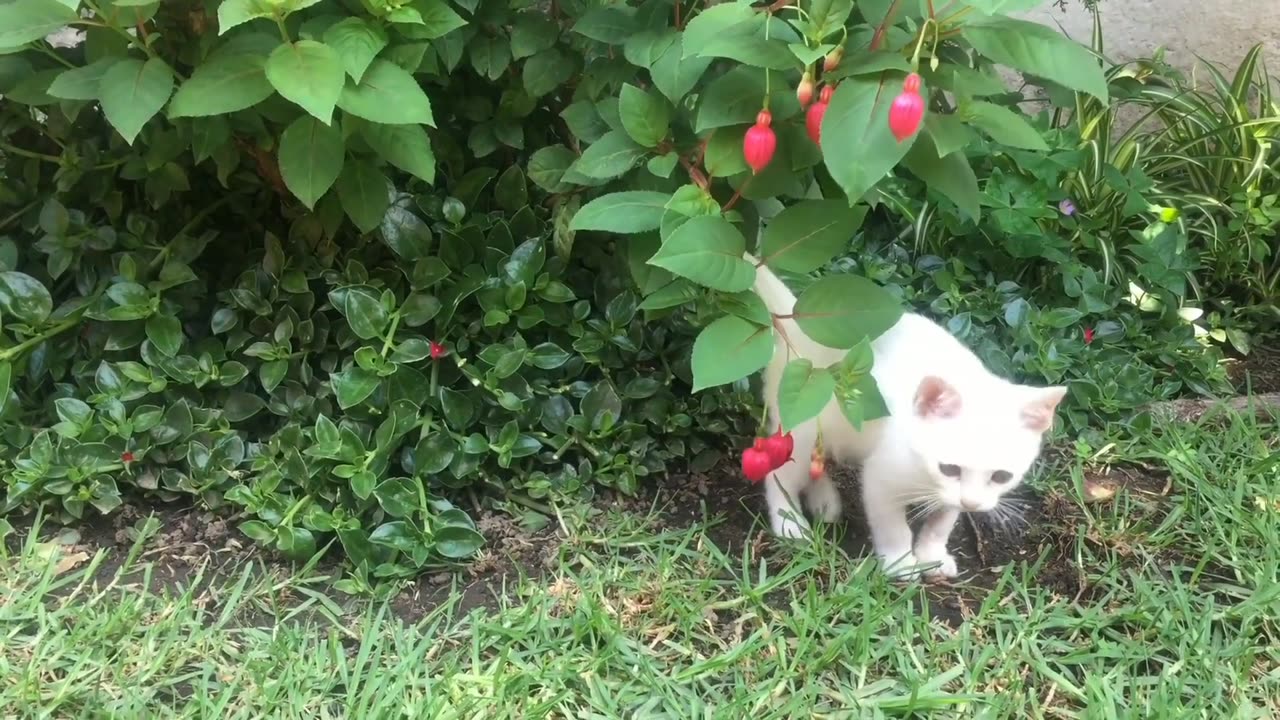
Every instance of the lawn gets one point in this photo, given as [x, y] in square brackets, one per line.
[1160, 600]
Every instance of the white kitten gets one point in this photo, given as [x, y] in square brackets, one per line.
[957, 438]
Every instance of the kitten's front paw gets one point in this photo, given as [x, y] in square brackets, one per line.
[789, 527]
[823, 500]
[944, 563]
[901, 567]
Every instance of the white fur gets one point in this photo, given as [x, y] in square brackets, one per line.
[945, 408]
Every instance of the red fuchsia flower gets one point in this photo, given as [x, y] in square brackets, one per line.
[1088, 336]
[818, 110]
[1066, 207]
[756, 464]
[760, 142]
[779, 448]
[804, 91]
[126, 457]
[907, 110]
[437, 350]
[833, 58]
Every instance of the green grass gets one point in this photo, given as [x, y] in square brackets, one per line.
[1179, 616]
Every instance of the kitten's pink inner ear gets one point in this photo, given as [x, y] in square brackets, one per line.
[935, 398]
[1038, 415]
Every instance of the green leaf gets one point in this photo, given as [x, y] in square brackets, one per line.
[165, 332]
[387, 94]
[533, 32]
[752, 51]
[807, 235]
[630, 212]
[365, 313]
[827, 17]
[857, 146]
[1003, 125]
[311, 155]
[861, 401]
[24, 298]
[365, 194]
[357, 43]
[674, 74]
[948, 133]
[353, 386]
[609, 25]
[839, 311]
[490, 56]
[132, 92]
[1038, 50]
[707, 250]
[728, 19]
[511, 192]
[237, 12]
[404, 146]
[22, 21]
[438, 20]
[803, 392]
[224, 84]
[308, 74]
[546, 71]
[609, 157]
[728, 350]
[548, 165]
[646, 118]
[734, 99]
[81, 83]
[456, 542]
[950, 175]
[458, 409]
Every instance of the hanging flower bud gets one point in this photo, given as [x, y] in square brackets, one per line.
[760, 142]
[804, 91]
[907, 110]
[832, 61]
[818, 110]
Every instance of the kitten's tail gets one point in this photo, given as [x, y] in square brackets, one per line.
[775, 293]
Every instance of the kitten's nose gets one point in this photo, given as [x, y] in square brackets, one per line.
[969, 505]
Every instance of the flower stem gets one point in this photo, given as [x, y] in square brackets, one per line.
[10, 353]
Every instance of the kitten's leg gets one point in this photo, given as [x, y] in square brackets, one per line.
[931, 545]
[886, 510]
[784, 486]
[823, 499]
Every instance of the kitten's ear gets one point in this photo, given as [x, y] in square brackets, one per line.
[1037, 415]
[935, 398]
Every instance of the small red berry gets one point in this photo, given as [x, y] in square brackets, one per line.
[832, 61]
[759, 143]
[437, 350]
[907, 110]
[755, 464]
[126, 457]
[1088, 336]
[804, 91]
[779, 447]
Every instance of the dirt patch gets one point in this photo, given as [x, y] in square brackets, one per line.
[189, 542]
[1258, 372]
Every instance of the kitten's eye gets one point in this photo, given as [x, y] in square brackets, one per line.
[1000, 477]
[952, 471]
